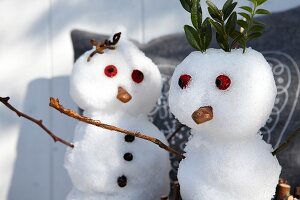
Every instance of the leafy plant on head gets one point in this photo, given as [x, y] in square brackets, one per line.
[200, 35]
[225, 23]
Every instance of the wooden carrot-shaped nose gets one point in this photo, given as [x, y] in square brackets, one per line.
[203, 114]
[123, 95]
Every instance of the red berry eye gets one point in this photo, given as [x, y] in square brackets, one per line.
[137, 76]
[184, 80]
[110, 71]
[223, 82]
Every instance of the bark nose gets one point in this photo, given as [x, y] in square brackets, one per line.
[203, 114]
[123, 95]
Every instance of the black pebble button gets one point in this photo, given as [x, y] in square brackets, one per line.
[128, 156]
[122, 181]
[129, 138]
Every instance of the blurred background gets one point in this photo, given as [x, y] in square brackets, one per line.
[36, 57]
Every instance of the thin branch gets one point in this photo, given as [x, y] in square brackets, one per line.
[176, 131]
[37, 122]
[286, 143]
[176, 191]
[101, 46]
[54, 103]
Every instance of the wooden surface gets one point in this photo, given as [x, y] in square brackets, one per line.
[35, 60]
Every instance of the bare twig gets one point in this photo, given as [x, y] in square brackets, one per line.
[54, 103]
[286, 143]
[176, 131]
[37, 122]
[176, 190]
[101, 46]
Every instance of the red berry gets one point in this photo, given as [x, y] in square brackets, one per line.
[184, 80]
[223, 82]
[137, 76]
[110, 71]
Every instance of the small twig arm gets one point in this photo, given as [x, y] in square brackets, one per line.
[179, 127]
[287, 142]
[5, 100]
[54, 103]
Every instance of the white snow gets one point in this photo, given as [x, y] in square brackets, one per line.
[96, 162]
[225, 157]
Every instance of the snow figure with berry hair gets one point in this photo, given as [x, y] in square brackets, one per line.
[225, 96]
[117, 85]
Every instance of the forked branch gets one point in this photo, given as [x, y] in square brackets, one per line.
[176, 131]
[287, 142]
[5, 100]
[101, 46]
[54, 103]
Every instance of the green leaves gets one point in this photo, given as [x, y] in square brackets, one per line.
[206, 33]
[228, 10]
[213, 7]
[192, 37]
[217, 26]
[252, 28]
[214, 12]
[245, 15]
[262, 12]
[257, 27]
[225, 22]
[254, 35]
[260, 2]
[196, 14]
[186, 4]
[231, 23]
[242, 24]
[226, 6]
[247, 8]
[222, 42]
[199, 36]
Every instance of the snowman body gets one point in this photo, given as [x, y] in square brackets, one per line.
[228, 170]
[110, 165]
[225, 98]
[118, 87]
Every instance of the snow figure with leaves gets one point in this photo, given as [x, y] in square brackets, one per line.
[119, 86]
[225, 96]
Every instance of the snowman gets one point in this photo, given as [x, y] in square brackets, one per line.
[225, 97]
[117, 86]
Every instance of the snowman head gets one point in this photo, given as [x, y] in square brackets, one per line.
[115, 81]
[223, 94]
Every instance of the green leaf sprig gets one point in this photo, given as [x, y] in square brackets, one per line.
[225, 23]
[200, 35]
[252, 28]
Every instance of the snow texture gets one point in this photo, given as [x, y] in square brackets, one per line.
[225, 157]
[97, 161]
